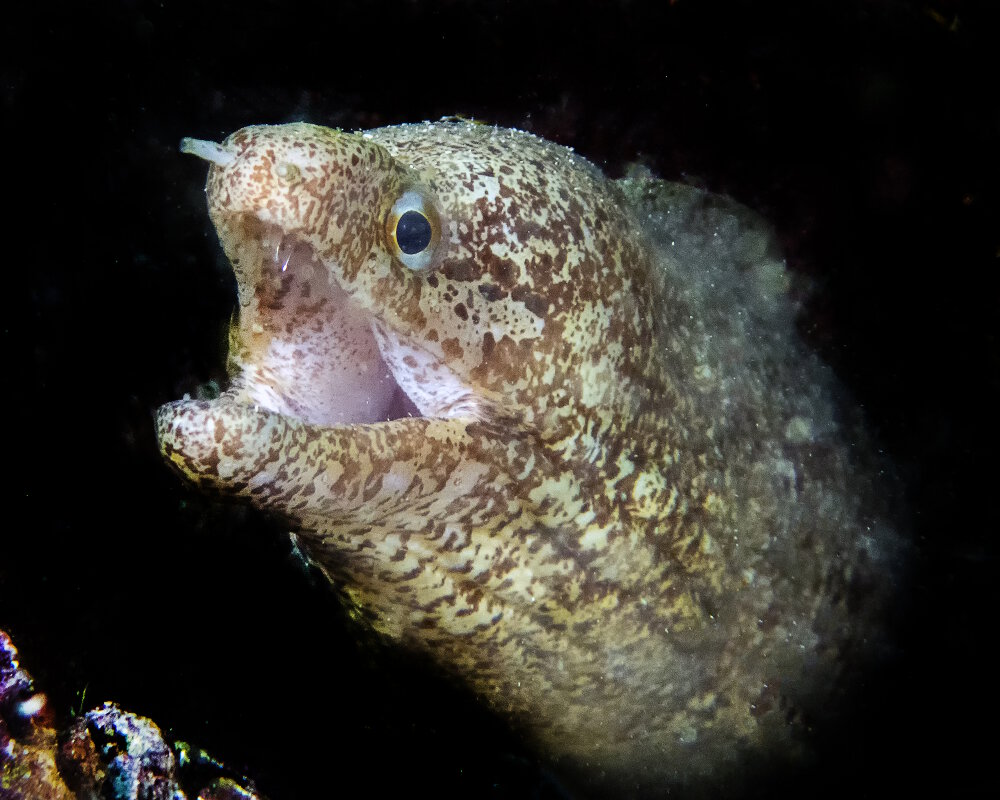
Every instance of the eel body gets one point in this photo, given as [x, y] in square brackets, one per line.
[553, 430]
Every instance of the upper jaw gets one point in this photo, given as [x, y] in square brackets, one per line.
[301, 345]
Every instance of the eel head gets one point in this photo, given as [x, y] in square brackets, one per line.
[441, 329]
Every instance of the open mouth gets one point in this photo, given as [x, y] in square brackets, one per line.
[300, 346]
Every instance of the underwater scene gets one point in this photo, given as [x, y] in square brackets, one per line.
[500, 399]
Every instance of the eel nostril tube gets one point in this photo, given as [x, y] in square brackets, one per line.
[210, 151]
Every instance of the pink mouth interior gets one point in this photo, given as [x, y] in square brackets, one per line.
[319, 361]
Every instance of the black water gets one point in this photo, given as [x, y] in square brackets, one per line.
[866, 130]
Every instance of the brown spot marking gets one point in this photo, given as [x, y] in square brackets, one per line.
[491, 291]
[488, 344]
[452, 349]
[502, 271]
[529, 229]
[536, 304]
[769, 698]
[461, 311]
[508, 359]
[465, 270]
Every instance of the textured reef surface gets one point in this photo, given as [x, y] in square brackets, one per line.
[105, 754]
[555, 432]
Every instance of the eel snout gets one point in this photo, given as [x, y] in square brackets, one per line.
[300, 345]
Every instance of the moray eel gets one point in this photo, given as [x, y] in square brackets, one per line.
[553, 430]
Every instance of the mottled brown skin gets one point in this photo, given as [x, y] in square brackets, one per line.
[616, 506]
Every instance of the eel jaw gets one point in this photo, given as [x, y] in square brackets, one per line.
[300, 346]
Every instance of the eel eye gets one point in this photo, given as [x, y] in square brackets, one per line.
[414, 230]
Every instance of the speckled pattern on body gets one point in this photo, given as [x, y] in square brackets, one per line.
[571, 447]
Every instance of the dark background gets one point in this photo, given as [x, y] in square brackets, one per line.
[867, 131]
